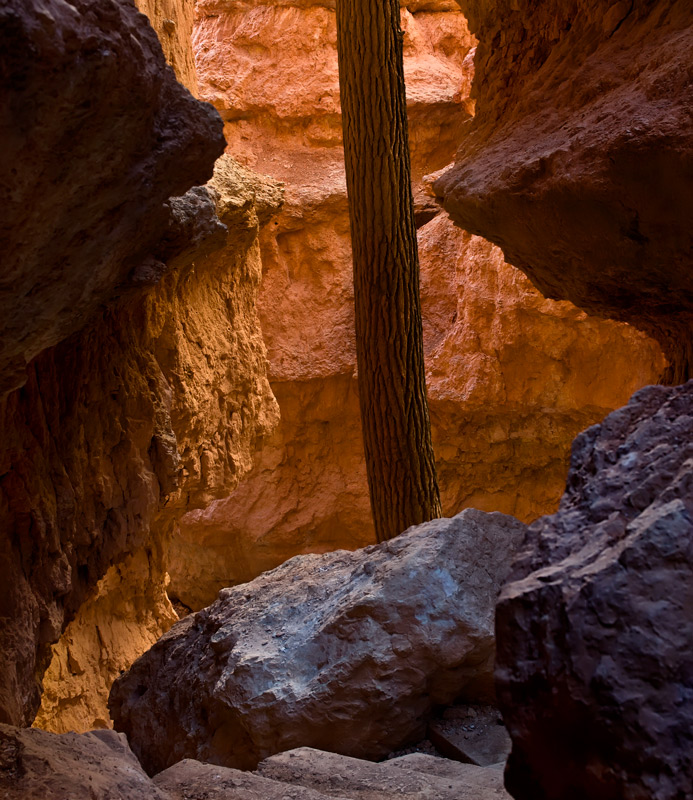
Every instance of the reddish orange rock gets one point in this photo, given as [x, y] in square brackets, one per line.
[512, 377]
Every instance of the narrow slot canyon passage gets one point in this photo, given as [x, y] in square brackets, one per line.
[186, 536]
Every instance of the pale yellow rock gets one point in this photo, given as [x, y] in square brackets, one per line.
[198, 344]
[127, 615]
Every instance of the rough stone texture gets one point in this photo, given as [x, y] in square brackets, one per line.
[99, 765]
[173, 22]
[348, 651]
[120, 429]
[512, 377]
[340, 776]
[35, 765]
[595, 666]
[471, 734]
[192, 780]
[96, 135]
[129, 611]
[434, 765]
[579, 161]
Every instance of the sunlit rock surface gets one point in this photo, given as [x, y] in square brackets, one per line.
[173, 22]
[579, 162]
[346, 651]
[595, 666]
[180, 401]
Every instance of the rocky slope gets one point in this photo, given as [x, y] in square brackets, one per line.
[512, 377]
[579, 160]
[153, 406]
[595, 668]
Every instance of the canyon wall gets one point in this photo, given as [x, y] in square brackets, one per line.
[579, 160]
[150, 406]
[195, 396]
[512, 377]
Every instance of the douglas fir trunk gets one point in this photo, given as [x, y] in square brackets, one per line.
[389, 338]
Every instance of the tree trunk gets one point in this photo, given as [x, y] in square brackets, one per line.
[389, 337]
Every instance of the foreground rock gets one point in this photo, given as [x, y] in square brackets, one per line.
[36, 765]
[595, 665]
[192, 780]
[339, 776]
[99, 765]
[579, 161]
[345, 651]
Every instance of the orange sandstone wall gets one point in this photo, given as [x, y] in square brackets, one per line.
[163, 399]
[512, 377]
[173, 21]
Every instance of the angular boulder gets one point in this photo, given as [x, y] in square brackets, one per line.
[579, 160]
[99, 765]
[346, 651]
[96, 134]
[595, 626]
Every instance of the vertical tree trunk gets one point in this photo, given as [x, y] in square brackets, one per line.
[389, 337]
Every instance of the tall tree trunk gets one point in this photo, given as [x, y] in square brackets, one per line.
[389, 337]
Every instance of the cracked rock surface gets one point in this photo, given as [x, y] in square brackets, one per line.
[595, 667]
[347, 651]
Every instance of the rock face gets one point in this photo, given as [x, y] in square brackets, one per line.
[96, 135]
[173, 22]
[152, 407]
[127, 613]
[348, 650]
[35, 765]
[579, 161]
[595, 666]
[177, 373]
[512, 377]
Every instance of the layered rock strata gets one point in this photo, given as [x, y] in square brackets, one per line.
[177, 372]
[579, 161]
[512, 377]
[595, 667]
[348, 651]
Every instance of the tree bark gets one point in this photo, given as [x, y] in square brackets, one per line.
[389, 336]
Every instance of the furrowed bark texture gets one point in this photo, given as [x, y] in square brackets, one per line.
[389, 340]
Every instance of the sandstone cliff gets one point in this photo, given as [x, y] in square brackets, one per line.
[188, 394]
[153, 406]
[579, 160]
[512, 377]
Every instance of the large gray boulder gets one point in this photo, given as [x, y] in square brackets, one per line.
[595, 626]
[346, 651]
